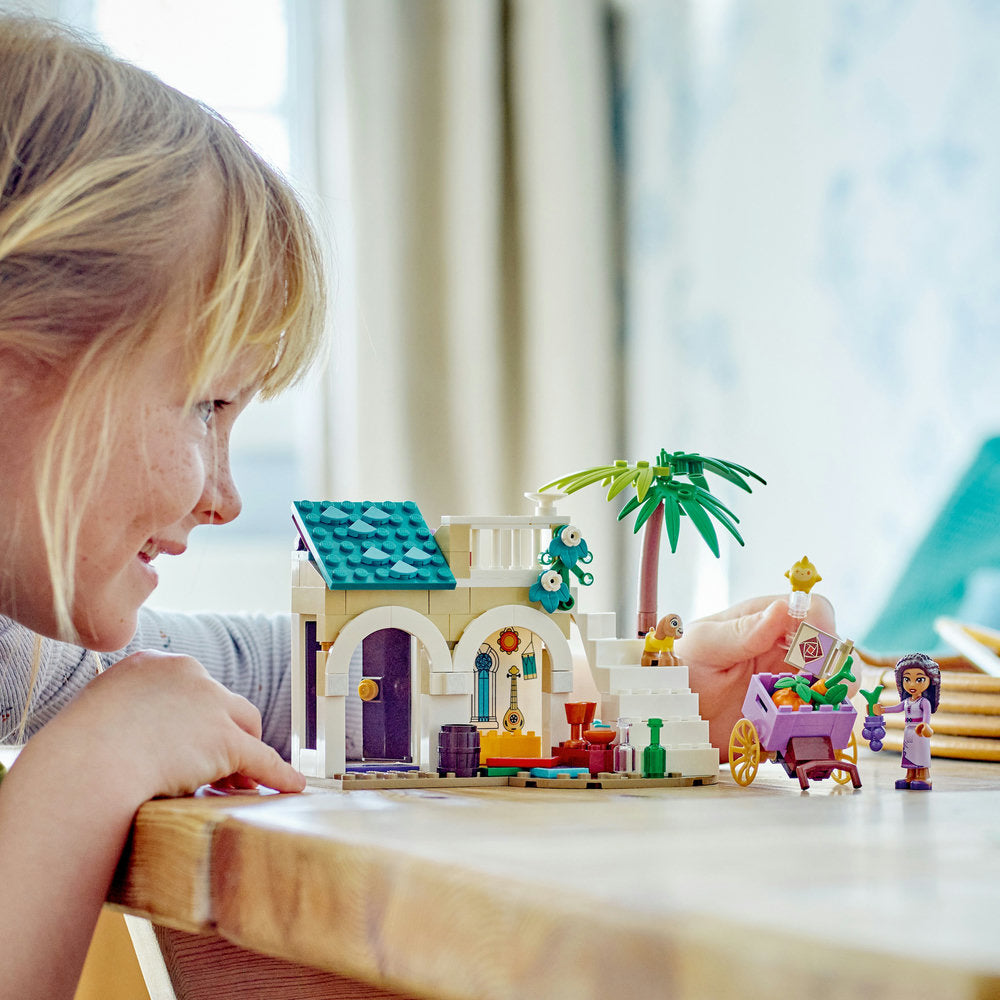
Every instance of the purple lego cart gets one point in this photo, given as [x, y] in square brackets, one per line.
[808, 742]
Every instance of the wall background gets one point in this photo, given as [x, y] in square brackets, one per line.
[805, 230]
[813, 217]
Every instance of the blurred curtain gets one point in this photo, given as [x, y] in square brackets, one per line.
[479, 356]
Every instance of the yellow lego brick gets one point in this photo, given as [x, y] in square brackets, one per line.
[308, 575]
[486, 598]
[443, 538]
[460, 563]
[320, 674]
[454, 540]
[493, 743]
[307, 601]
[457, 625]
[563, 619]
[365, 600]
[328, 626]
[443, 623]
[335, 602]
[449, 602]
[460, 537]
[453, 537]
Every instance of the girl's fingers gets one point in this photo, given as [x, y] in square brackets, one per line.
[243, 713]
[263, 764]
[234, 783]
[725, 642]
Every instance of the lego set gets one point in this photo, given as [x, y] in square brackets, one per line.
[451, 623]
[405, 641]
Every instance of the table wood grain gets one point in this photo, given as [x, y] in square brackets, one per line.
[700, 892]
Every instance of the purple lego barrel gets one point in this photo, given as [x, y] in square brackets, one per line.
[458, 750]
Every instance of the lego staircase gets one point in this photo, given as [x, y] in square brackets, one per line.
[629, 690]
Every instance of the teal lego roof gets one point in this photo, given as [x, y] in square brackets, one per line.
[372, 545]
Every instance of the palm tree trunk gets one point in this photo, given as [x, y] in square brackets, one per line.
[649, 569]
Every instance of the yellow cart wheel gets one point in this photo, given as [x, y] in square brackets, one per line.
[744, 752]
[848, 754]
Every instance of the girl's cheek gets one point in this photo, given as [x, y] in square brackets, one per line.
[181, 478]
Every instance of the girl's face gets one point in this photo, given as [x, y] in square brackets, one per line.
[168, 472]
[915, 682]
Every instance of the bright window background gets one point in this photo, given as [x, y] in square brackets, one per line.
[234, 55]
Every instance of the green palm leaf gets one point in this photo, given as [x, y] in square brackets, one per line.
[722, 514]
[645, 478]
[672, 519]
[732, 473]
[693, 466]
[648, 509]
[577, 480]
[694, 510]
[628, 508]
[678, 481]
[624, 478]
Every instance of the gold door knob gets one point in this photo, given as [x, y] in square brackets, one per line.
[368, 689]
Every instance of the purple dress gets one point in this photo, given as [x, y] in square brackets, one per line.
[916, 749]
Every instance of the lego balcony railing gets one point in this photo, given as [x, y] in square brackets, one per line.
[498, 551]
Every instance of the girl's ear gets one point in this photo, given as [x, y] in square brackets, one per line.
[22, 375]
[18, 374]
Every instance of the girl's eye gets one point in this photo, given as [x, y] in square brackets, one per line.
[207, 408]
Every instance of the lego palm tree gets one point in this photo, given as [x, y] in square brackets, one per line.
[675, 483]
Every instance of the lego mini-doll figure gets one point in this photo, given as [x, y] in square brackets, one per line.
[658, 648]
[918, 679]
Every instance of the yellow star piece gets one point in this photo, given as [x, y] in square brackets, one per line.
[803, 575]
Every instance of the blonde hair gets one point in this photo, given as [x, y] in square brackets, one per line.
[103, 169]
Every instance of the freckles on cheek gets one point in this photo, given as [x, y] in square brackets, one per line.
[180, 477]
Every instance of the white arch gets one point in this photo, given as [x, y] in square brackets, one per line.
[517, 615]
[338, 660]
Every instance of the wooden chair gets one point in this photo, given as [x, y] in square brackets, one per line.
[132, 959]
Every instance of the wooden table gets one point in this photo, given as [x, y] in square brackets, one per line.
[714, 891]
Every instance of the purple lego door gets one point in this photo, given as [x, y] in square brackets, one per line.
[385, 717]
[312, 647]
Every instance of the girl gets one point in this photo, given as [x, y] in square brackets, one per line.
[918, 680]
[154, 276]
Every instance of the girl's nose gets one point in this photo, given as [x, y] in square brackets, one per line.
[220, 501]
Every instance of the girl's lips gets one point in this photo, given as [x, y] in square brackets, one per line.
[148, 571]
[153, 548]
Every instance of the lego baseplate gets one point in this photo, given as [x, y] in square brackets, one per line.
[403, 779]
[604, 780]
[388, 780]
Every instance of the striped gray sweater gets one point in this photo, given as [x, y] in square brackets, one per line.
[250, 654]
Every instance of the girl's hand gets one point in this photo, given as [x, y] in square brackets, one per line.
[723, 650]
[153, 724]
[163, 726]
